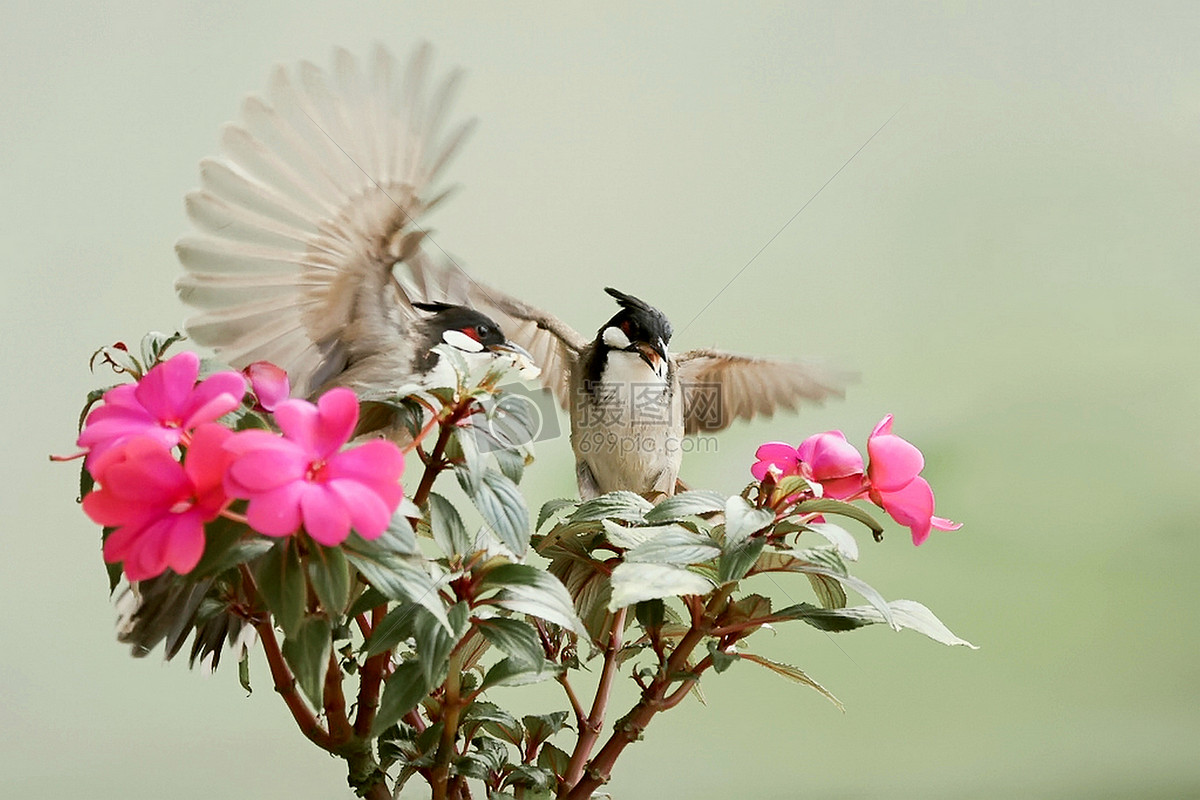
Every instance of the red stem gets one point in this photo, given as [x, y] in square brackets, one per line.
[370, 683]
[589, 730]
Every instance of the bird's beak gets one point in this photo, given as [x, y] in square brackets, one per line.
[521, 358]
[654, 355]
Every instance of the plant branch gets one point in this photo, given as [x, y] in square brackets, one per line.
[285, 682]
[654, 697]
[340, 730]
[452, 706]
[589, 730]
[370, 682]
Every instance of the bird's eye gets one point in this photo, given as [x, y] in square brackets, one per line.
[483, 330]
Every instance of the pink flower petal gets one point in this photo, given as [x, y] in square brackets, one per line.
[780, 455]
[325, 518]
[164, 390]
[216, 395]
[206, 463]
[268, 382]
[912, 507]
[266, 468]
[145, 472]
[370, 514]
[375, 463]
[894, 461]
[830, 456]
[277, 512]
[184, 542]
[339, 414]
[943, 524]
[298, 419]
[842, 488]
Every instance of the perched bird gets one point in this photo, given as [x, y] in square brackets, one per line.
[631, 401]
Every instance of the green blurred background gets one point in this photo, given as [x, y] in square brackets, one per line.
[1011, 264]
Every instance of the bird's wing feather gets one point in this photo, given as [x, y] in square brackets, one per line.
[303, 214]
[720, 387]
[554, 345]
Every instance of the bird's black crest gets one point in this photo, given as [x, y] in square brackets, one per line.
[649, 318]
[434, 307]
[629, 301]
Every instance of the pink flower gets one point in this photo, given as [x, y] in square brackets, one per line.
[825, 458]
[896, 486]
[269, 384]
[164, 405]
[833, 462]
[158, 506]
[304, 477]
[777, 458]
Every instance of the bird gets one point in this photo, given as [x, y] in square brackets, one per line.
[301, 220]
[303, 224]
[632, 401]
[310, 253]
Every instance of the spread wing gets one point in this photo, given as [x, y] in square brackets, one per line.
[719, 388]
[310, 203]
[554, 345]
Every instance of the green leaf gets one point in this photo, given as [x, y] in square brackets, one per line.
[795, 484]
[280, 579]
[393, 629]
[435, 642]
[550, 508]
[743, 520]
[503, 508]
[370, 598]
[529, 590]
[329, 576]
[396, 577]
[628, 538]
[512, 672]
[154, 344]
[721, 660]
[826, 562]
[827, 505]
[531, 777]
[513, 637]
[540, 727]
[470, 472]
[737, 559]
[554, 759]
[227, 544]
[402, 691]
[494, 720]
[511, 463]
[793, 674]
[686, 504]
[635, 582]
[447, 526]
[675, 545]
[841, 539]
[651, 614]
[828, 591]
[307, 653]
[487, 757]
[903, 613]
[621, 505]
[244, 671]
